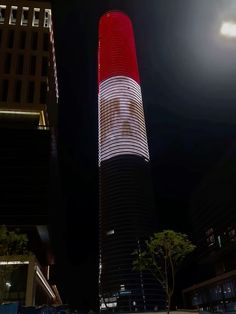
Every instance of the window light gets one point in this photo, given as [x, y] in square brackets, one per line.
[13, 14]
[35, 21]
[24, 16]
[2, 13]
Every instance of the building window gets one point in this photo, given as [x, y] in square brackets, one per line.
[22, 41]
[2, 13]
[30, 97]
[44, 69]
[47, 18]
[110, 232]
[229, 287]
[7, 64]
[43, 92]
[24, 16]
[4, 90]
[196, 299]
[215, 293]
[32, 65]
[11, 35]
[13, 14]
[45, 41]
[34, 40]
[210, 238]
[18, 86]
[20, 64]
[35, 21]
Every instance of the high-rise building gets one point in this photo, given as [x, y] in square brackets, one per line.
[214, 229]
[126, 201]
[28, 111]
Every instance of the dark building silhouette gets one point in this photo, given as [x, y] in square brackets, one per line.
[28, 121]
[214, 229]
[126, 201]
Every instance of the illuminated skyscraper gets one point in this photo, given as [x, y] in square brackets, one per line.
[126, 202]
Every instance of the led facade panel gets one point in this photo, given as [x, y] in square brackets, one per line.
[121, 119]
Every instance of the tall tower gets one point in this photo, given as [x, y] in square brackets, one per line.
[126, 202]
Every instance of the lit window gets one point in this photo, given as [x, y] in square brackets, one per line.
[25, 16]
[47, 18]
[2, 13]
[110, 232]
[13, 13]
[35, 21]
[8, 284]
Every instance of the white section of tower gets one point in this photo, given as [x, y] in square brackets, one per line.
[122, 128]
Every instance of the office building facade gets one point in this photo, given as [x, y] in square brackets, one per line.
[28, 121]
[214, 228]
[126, 203]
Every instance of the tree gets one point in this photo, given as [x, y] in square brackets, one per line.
[163, 255]
[12, 243]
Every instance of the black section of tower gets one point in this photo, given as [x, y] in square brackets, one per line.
[126, 219]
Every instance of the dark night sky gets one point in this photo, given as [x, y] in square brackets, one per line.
[188, 77]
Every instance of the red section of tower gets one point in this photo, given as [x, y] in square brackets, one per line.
[117, 54]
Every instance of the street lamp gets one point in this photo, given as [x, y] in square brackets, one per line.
[228, 29]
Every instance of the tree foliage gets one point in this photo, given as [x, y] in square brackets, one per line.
[12, 243]
[163, 255]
